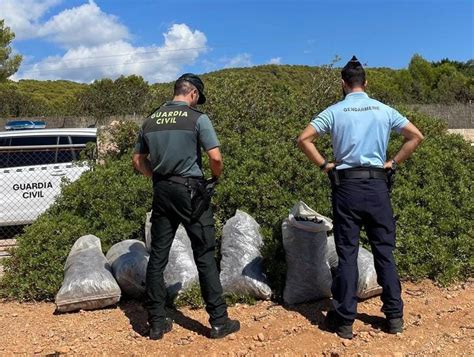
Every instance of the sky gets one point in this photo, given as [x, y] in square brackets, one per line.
[84, 40]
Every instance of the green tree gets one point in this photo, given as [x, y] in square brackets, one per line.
[451, 85]
[423, 78]
[9, 63]
[98, 99]
[131, 94]
[105, 97]
[383, 85]
[15, 103]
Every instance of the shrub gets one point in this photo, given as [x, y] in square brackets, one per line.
[258, 114]
[109, 201]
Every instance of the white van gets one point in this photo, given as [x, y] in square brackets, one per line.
[32, 166]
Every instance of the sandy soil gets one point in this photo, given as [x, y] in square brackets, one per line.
[438, 322]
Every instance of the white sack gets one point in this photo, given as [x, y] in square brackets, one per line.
[367, 284]
[88, 282]
[129, 260]
[241, 264]
[181, 271]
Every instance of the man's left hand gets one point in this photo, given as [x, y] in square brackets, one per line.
[388, 165]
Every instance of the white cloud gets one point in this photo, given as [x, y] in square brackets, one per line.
[85, 25]
[275, 60]
[97, 45]
[240, 60]
[181, 47]
[23, 16]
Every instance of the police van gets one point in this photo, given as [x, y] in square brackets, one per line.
[33, 164]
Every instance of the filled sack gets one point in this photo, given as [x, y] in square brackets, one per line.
[308, 275]
[367, 284]
[88, 281]
[180, 272]
[241, 264]
[129, 260]
[148, 230]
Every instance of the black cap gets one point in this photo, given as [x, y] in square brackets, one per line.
[197, 82]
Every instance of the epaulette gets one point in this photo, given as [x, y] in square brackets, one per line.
[154, 110]
[196, 110]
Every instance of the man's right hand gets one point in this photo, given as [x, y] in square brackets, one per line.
[329, 167]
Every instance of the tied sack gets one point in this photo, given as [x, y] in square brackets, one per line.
[88, 281]
[129, 260]
[241, 264]
[367, 284]
[181, 271]
[308, 275]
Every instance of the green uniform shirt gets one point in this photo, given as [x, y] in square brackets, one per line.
[173, 136]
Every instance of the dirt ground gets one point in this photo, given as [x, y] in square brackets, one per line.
[438, 322]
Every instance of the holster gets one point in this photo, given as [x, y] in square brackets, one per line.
[201, 195]
[333, 177]
[390, 179]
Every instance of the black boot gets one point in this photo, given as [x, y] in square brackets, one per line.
[334, 323]
[230, 326]
[157, 331]
[394, 325]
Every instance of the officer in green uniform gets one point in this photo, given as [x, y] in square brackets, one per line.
[168, 150]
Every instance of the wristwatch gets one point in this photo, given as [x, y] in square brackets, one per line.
[394, 164]
[323, 165]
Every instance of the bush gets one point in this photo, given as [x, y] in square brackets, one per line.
[258, 114]
[96, 204]
[434, 204]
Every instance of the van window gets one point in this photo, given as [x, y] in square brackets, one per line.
[4, 141]
[64, 154]
[64, 140]
[31, 157]
[51, 154]
[83, 139]
[34, 140]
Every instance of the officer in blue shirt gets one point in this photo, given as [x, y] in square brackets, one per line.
[168, 150]
[360, 130]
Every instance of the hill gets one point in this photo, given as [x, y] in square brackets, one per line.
[422, 82]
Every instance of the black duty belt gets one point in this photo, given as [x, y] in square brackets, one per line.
[362, 173]
[186, 181]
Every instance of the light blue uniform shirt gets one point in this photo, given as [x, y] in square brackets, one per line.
[360, 129]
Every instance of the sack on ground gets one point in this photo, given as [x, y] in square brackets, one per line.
[148, 231]
[241, 264]
[129, 260]
[181, 271]
[88, 281]
[308, 274]
[367, 284]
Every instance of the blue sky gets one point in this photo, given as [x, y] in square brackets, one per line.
[86, 40]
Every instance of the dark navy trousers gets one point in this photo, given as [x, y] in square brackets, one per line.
[364, 203]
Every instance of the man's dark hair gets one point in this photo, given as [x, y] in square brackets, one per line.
[353, 73]
[182, 87]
